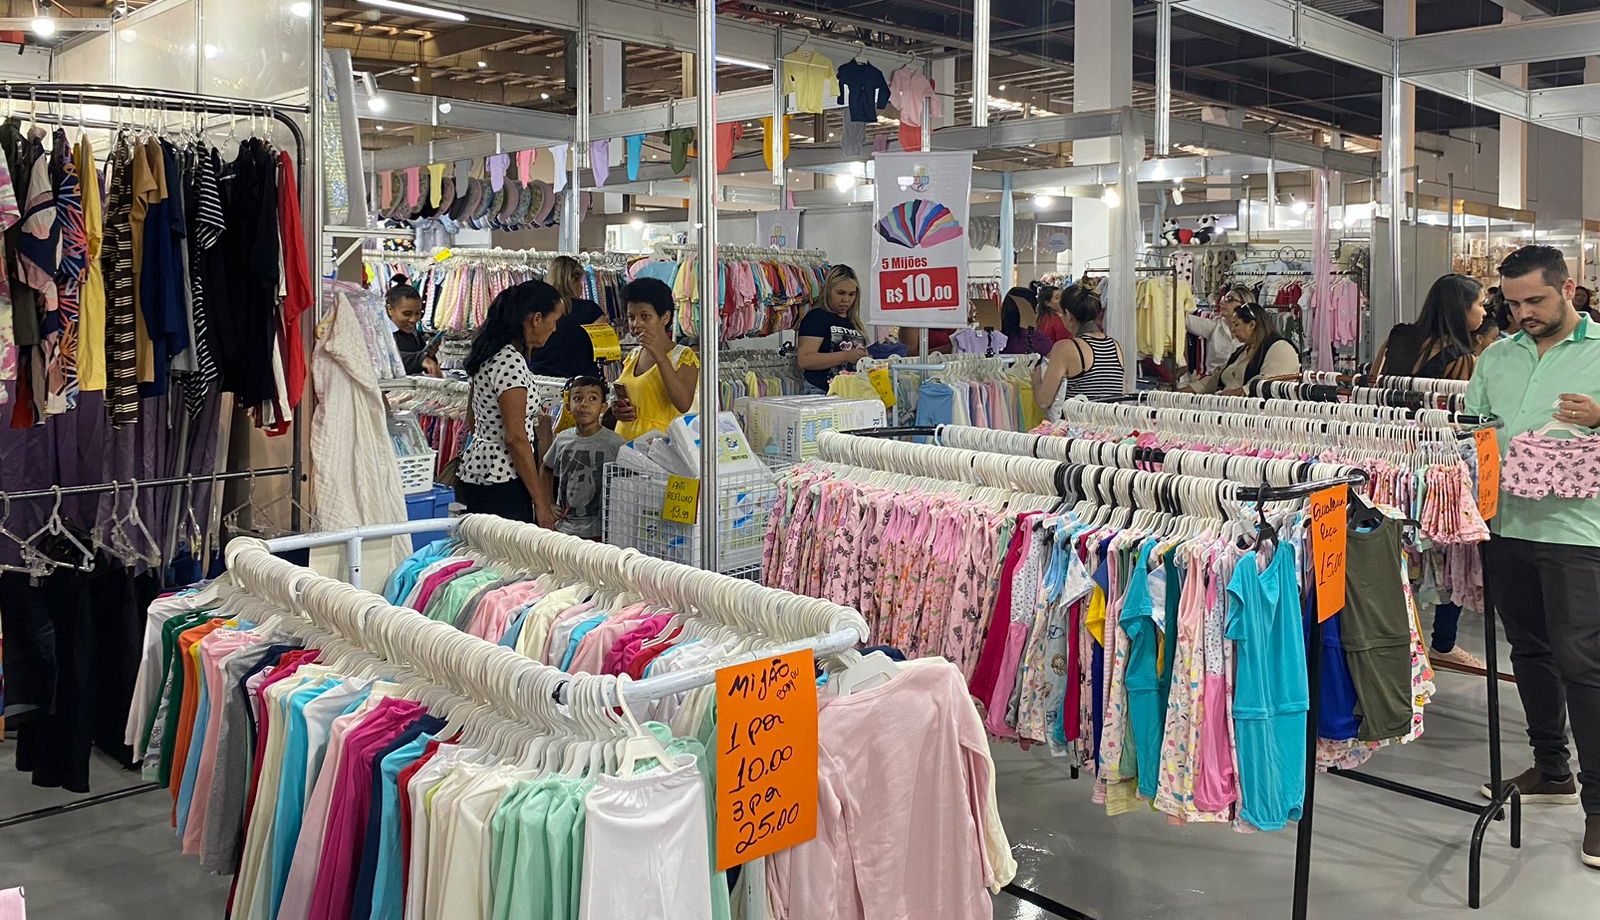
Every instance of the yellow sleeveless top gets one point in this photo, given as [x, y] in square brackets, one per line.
[648, 392]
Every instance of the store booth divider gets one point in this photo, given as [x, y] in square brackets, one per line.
[1352, 480]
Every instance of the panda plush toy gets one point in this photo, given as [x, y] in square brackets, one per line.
[1208, 231]
[1170, 234]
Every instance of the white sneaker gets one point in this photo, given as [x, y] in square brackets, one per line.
[1457, 656]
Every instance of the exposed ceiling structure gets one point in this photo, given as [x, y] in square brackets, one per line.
[1277, 89]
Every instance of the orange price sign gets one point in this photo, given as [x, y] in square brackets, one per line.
[1330, 531]
[1488, 472]
[766, 757]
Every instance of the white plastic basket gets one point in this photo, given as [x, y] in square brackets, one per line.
[416, 472]
[632, 518]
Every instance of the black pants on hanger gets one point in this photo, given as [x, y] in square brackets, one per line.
[1545, 593]
[54, 621]
[509, 499]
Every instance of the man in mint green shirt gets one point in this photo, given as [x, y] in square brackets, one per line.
[1543, 565]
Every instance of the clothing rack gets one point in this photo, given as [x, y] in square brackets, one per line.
[398, 634]
[1415, 399]
[123, 97]
[1459, 430]
[972, 465]
[1304, 829]
[1424, 384]
[730, 251]
[106, 488]
[499, 257]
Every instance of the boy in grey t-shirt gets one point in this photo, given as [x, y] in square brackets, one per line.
[578, 458]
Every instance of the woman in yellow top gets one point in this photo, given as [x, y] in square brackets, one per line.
[658, 378]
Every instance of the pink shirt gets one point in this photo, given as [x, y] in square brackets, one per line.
[430, 584]
[213, 648]
[590, 657]
[859, 866]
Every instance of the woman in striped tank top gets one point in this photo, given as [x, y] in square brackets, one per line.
[1088, 364]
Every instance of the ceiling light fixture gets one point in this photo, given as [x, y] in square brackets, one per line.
[415, 78]
[1043, 202]
[414, 9]
[300, 8]
[742, 62]
[1297, 206]
[844, 182]
[483, 65]
[380, 129]
[1001, 87]
[544, 96]
[444, 108]
[637, 223]
[129, 35]
[377, 103]
[1111, 197]
[43, 24]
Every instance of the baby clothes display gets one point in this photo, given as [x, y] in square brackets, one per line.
[1538, 464]
[909, 90]
[1169, 661]
[1162, 305]
[758, 296]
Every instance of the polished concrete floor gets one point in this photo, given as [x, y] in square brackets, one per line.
[1376, 854]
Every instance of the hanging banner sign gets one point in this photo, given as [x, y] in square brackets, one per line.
[766, 757]
[919, 240]
[778, 229]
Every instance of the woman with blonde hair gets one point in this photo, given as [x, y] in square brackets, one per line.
[569, 352]
[831, 337]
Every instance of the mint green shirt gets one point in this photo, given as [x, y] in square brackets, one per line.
[1514, 384]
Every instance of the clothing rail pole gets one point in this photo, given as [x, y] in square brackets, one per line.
[101, 488]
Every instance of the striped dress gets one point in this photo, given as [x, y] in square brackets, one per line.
[122, 392]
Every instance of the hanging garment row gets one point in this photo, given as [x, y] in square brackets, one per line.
[760, 291]
[457, 286]
[1360, 395]
[431, 836]
[1133, 645]
[1425, 384]
[990, 391]
[757, 374]
[171, 262]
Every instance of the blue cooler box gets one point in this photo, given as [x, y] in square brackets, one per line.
[434, 503]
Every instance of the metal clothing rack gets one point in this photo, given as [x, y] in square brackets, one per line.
[105, 488]
[181, 102]
[1260, 496]
[730, 251]
[1466, 427]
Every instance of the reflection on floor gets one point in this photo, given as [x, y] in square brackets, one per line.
[1377, 854]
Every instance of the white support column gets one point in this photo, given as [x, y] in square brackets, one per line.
[1514, 140]
[1103, 64]
[1591, 154]
[1400, 21]
[1221, 189]
[980, 63]
[944, 83]
[608, 95]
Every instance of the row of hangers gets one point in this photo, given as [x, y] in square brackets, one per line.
[510, 707]
[673, 251]
[1123, 455]
[501, 258]
[1398, 443]
[1403, 399]
[1420, 384]
[1275, 404]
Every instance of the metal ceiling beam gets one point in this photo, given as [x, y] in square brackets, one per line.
[1564, 102]
[540, 129]
[734, 105]
[1549, 38]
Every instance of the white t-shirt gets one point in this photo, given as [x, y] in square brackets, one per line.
[487, 460]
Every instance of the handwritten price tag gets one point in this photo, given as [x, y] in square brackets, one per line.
[607, 347]
[881, 381]
[681, 505]
[1330, 530]
[766, 757]
[1488, 472]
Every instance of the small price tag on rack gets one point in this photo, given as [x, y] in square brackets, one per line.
[1330, 530]
[607, 347]
[1488, 447]
[766, 757]
[883, 383]
[442, 255]
[681, 505]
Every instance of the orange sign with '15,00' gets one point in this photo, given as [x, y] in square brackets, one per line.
[1330, 531]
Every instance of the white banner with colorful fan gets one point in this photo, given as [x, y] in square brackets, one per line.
[919, 240]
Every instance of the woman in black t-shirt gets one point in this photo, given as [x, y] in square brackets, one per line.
[569, 353]
[831, 337]
[1440, 344]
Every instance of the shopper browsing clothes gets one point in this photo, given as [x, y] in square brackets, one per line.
[1052, 316]
[1087, 364]
[1264, 354]
[1441, 344]
[404, 304]
[1543, 565]
[569, 352]
[578, 458]
[498, 473]
[1217, 330]
[831, 337]
[659, 378]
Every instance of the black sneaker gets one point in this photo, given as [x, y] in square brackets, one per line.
[1538, 789]
[1590, 854]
